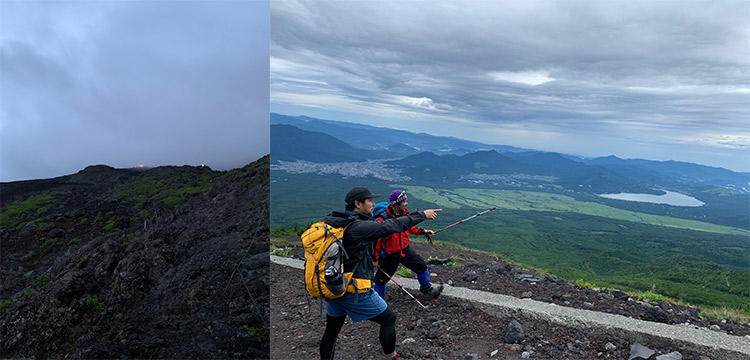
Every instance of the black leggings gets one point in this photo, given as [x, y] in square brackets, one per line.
[386, 320]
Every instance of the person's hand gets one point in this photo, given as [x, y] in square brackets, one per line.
[429, 233]
[431, 213]
[375, 264]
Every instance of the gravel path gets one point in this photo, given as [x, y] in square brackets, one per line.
[448, 330]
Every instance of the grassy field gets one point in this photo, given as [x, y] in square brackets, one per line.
[696, 267]
[539, 201]
[696, 262]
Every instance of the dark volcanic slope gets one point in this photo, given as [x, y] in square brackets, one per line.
[451, 330]
[171, 262]
[448, 330]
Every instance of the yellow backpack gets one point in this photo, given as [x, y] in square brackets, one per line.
[324, 266]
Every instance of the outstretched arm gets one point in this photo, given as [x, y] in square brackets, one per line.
[377, 229]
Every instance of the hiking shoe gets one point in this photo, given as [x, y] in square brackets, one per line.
[393, 355]
[433, 292]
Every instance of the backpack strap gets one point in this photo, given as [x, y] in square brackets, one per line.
[382, 243]
[354, 282]
[320, 290]
[341, 241]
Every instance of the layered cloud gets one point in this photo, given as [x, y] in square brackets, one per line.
[662, 73]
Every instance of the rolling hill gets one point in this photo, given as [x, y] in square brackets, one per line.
[675, 172]
[289, 143]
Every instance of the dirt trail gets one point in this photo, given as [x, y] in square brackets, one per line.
[453, 331]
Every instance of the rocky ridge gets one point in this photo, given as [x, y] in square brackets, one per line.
[169, 262]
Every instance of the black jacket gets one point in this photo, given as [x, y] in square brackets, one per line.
[361, 236]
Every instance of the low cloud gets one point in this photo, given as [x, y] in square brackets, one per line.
[523, 77]
[132, 83]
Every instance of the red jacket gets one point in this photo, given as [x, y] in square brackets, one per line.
[394, 243]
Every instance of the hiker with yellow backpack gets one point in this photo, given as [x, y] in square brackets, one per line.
[339, 267]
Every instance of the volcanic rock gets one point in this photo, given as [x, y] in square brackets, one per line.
[671, 356]
[438, 261]
[656, 314]
[470, 276]
[619, 294]
[45, 226]
[514, 333]
[529, 278]
[406, 352]
[500, 269]
[57, 233]
[640, 352]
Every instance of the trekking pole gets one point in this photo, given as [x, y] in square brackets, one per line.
[402, 288]
[458, 222]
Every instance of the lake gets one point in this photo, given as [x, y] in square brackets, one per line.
[670, 198]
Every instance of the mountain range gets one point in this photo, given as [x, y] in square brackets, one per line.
[397, 143]
[428, 158]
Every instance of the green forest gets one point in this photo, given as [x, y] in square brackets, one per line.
[696, 262]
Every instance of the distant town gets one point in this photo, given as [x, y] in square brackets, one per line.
[374, 168]
[379, 170]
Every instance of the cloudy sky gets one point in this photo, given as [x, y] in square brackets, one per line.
[658, 80]
[131, 83]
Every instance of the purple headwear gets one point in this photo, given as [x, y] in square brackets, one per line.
[397, 197]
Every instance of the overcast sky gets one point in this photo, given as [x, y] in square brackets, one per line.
[658, 80]
[132, 83]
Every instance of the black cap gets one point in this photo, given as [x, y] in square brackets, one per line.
[359, 193]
